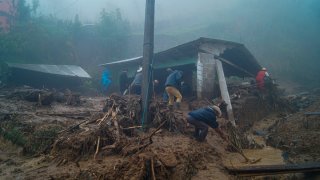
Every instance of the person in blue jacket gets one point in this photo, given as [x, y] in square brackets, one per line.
[135, 86]
[203, 118]
[172, 84]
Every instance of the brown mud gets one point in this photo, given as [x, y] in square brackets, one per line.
[100, 138]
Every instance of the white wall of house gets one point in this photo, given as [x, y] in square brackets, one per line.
[206, 68]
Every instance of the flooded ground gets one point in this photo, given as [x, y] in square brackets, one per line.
[175, 155]
[268, 156]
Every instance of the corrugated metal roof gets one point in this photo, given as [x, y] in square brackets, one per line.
[64, 70]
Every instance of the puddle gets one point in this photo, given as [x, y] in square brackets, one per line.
[268, 155]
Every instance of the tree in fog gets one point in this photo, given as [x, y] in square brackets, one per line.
[47, 39]
[113, 31]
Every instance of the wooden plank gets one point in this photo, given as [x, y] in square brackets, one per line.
[311, 113]
[234, 65]
[274, 169]
[229, 63]
[224, 91]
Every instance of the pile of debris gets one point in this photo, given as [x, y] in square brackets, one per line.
[297, 134]
[31, 118]
[105, 138]
[116, 130]
[249, 104]
[301, 100]
[45, 96]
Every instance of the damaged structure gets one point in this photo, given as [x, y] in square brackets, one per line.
[203, 61]
[49, 76]
[198, 59]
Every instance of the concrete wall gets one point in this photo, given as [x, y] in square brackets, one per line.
[206, 69]
[205, 75]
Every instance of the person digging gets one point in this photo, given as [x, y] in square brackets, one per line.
[202, 118]
[172, 84]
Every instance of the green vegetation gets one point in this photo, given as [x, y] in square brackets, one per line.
[41, 140]
[13, 135]
[42, 39]
[11, 131]
[32, 140]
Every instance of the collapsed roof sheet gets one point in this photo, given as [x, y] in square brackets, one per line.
[64, 70]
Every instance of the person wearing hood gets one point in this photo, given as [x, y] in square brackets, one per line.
[172, 84]
[135, 86]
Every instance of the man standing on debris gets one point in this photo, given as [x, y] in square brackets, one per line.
[261, 78]
[172, 84]
[123, 81]
[204, 117]
[135, 87]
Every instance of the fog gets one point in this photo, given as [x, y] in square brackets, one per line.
[134, 9]
[281, 34]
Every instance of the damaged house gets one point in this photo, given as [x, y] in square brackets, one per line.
[42, 75]
[199, 60]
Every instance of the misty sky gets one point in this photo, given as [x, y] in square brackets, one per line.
[280, 33]
[188, 13]
[133, 10]
[252, 22]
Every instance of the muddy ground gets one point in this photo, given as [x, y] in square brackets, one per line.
[29, 132]
[297, 134]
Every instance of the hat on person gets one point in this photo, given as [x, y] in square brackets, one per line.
[217, 110]
[169, 70]
[140, 69]
[264, 69]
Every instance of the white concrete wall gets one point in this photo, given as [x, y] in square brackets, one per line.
[206, 68]
[205, 75]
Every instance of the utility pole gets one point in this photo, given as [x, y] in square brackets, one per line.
[148, 45]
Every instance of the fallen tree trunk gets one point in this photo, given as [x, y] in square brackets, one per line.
[75, 115]
[274, 169]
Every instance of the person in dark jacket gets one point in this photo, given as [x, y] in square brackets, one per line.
[123, 81]
[172, 84]
[186, 89]
[203, 118]
[135, 87]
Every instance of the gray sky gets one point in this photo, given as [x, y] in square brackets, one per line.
[133, 10]
[280, 33]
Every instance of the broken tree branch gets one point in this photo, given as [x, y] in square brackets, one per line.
[154, 132]
[133, 127]
[152, 169]
[106, 115]
[97, 149]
